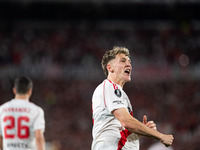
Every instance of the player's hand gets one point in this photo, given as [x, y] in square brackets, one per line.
[167, 140]
[149, 124]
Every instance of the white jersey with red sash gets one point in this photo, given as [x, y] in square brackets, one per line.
[107, 132]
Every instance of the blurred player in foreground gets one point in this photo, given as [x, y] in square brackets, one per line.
[114, 127]
[22, 123]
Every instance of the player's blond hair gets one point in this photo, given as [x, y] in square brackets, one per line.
[111, 54]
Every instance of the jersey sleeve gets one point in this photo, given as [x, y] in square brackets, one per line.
[113, 97]
[39, 121]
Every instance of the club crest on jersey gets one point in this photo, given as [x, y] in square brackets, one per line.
[118, 93]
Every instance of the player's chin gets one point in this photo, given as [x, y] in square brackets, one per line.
[128, 79]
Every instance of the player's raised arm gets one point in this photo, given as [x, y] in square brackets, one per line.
[135, 126]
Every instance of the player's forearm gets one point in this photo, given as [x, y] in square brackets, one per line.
[135, 126]
[41, 147]
[40, 142]
[1, 142]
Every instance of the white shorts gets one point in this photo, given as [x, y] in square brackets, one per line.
[103, 146]
[112, 143]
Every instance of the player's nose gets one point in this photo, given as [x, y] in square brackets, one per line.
[128, 64]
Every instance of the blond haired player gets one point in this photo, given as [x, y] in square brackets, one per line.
[114, 125]
[22, 123]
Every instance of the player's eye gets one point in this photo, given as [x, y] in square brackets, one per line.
[123, 60]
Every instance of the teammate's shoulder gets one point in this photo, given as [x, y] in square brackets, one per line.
[6, 103]
[36, 106]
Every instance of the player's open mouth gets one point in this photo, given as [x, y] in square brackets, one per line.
[127, 71]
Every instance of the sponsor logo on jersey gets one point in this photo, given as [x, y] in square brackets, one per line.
[17, 145]
[118, 93]
[118, 102]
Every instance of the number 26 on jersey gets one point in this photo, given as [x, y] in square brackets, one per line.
[22, 130]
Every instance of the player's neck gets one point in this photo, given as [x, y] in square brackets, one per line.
[115, 80]
[22, 96]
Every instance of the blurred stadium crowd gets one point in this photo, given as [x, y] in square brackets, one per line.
[64, 62]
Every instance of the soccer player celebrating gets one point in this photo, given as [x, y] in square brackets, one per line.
[114, 127]
[21, 122]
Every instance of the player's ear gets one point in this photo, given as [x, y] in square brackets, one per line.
[110, 68]
[14, 90]
[30, 91]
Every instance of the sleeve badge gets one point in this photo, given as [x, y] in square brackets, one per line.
[118, 93]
